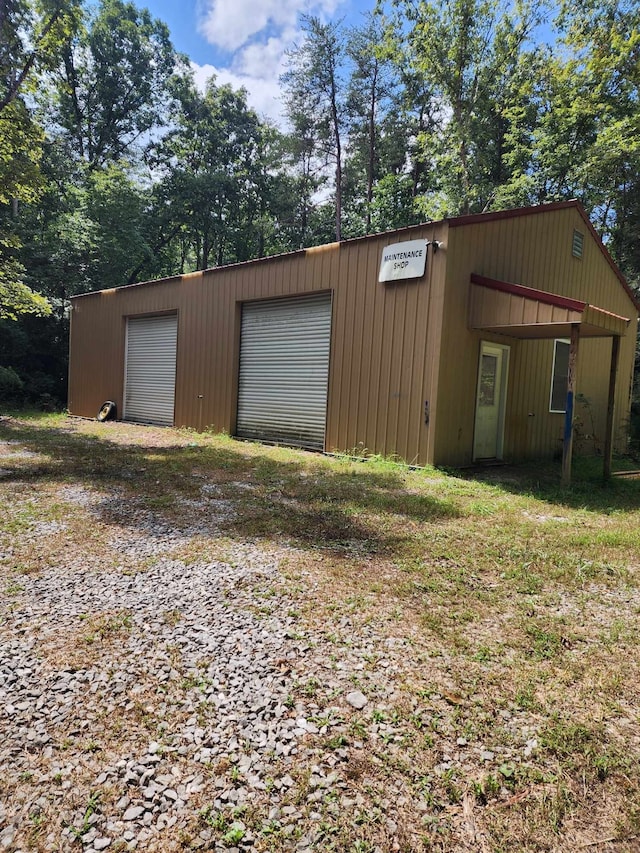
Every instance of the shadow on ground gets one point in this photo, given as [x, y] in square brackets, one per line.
[541, 480]
[308, 503]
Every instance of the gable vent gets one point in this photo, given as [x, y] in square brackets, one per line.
[578, 244]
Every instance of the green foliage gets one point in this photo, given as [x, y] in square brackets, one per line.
[316, 101]
[82, 214]
[234, 834]
[471, 55]
[11, 386]
[20, 152]
[114, 168]
[92, 806]
[16, 298]
[32, 38]
[116, 72]
[377, 140]
[393, 203]
[219, 165]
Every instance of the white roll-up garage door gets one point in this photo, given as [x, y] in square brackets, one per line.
[150, 369]
[284, 370]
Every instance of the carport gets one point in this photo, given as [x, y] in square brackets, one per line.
[516, 311]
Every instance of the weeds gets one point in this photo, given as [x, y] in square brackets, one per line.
[545, 643]
[503, 611]
[90, 809]
[107, 627]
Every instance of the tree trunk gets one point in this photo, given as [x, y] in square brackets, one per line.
[21, 76]
[72, 79]
[372, 148]
[338, 144]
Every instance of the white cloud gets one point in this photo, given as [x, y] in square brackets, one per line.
[230, 24]
[257, 33]
[266, 58]
[263, 92]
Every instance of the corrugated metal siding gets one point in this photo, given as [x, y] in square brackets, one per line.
[150, 371]
[384, 341]
[284, 370]
[536, 251]
[393, 346]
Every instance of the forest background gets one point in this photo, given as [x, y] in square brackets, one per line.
[116, 168]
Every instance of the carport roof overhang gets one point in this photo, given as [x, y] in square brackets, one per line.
[523, 312]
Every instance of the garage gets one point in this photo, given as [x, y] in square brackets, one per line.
[284, 370]
[436, 344]
[150, 369]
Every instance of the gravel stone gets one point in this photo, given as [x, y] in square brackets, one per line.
[357, 699]
[133, 813]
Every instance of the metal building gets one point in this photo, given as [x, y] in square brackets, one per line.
[442, 343]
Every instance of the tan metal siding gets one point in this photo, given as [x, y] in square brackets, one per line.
[384, 346]
[394, 346]
[535, 251]
[97, 349]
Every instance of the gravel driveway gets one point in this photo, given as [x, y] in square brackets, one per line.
[158, 703]
[209, 645]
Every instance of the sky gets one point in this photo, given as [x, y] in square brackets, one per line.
[243, 42]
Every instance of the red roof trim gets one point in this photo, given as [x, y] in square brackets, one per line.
[491, 216]
[529, 293]
[454, 222]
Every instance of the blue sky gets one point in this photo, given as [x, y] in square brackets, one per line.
[243, 41]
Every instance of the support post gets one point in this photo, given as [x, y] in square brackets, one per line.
[608, 438]
[567, 444]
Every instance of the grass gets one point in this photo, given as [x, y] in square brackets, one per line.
[91, 807]
[517, 603]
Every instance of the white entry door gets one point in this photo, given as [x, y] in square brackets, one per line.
[491, 396]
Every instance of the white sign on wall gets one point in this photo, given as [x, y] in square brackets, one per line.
[403, 260]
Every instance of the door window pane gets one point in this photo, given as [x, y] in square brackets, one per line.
[488, 375]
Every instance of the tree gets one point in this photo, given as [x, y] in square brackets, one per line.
[268, 199]
[32, 35]
[604, 38]
[114, 82]
[20, 141]
[576, 133]
[16, 298]
[307, 175]
[87, 234]
[372, 90]
[471, 55]
[101, 105]
[212, 163]
[315, 99]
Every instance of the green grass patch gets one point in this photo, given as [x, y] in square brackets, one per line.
[513, 602]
